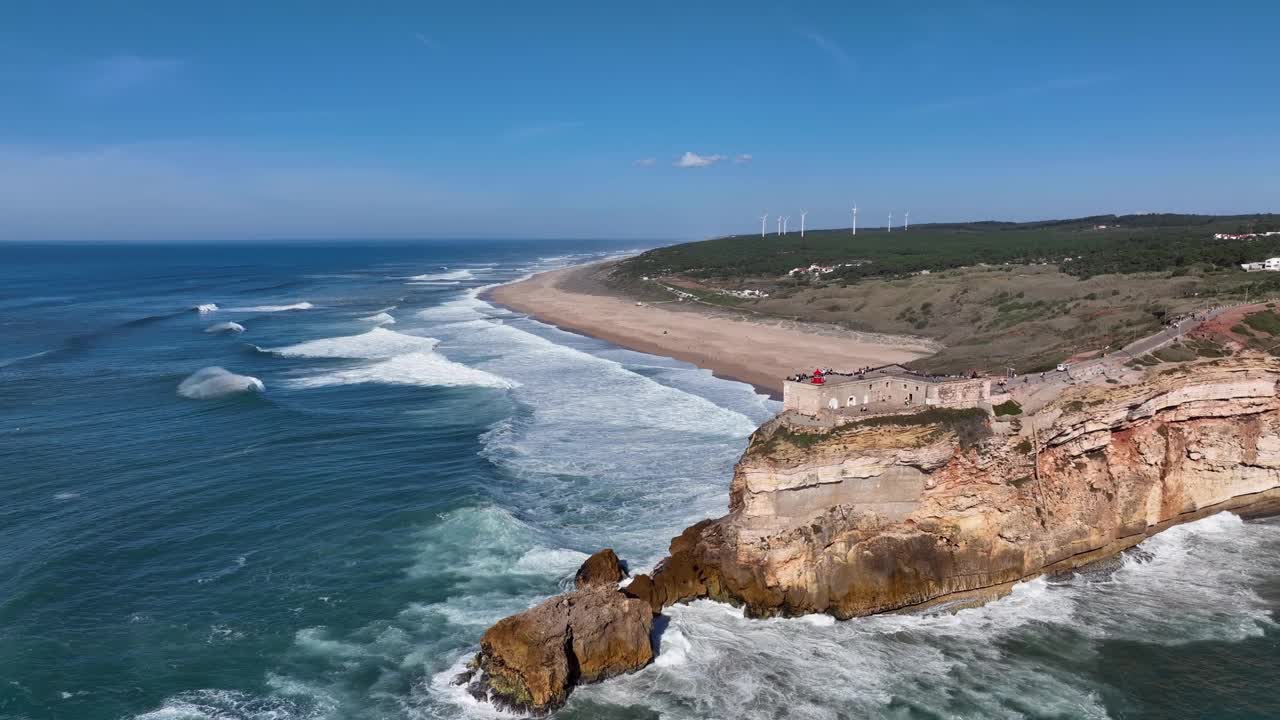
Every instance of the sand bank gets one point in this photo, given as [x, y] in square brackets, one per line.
[757, 351]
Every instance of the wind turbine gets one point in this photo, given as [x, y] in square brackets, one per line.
[763, 218]
[890, 226]
[855, 219]
[802, 214]
[906, 224]
[786, 219]
[779, 226]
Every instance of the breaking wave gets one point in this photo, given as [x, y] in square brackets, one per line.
[375, 344]
[274, 308]
[212, 382]
[225, 327]
[450, 275]
[426, 369]
[380, 318]
[206, 308]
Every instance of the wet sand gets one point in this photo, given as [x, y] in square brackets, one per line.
[758, 351]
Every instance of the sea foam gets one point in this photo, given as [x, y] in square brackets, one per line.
[206, 308]
[374, 344]
[426, 369]
[450, 275]
[225, 327]
[212, 382]
[274, 308]
[380, 318]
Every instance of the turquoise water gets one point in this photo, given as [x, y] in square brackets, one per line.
[386, 464]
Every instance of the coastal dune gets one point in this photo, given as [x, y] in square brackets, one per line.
[757, 351]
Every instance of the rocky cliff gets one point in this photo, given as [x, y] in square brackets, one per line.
[901, 511]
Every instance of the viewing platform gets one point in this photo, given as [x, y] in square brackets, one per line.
[879, 390]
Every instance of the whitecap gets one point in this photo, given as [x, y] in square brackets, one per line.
[66, 496]
[380, 318]
[225, 327]
[212, 382]
[374, 344]
[274, 308]
[556, 562]
[206, 308]
[214, 704]
[32, 356]
[425, 369]
[450, 275]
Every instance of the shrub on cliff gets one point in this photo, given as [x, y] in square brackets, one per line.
[970, 425]
[1009, 407]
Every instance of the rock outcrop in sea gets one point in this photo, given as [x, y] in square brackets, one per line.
[904, 511]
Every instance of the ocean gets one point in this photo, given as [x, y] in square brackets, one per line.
[298, 481]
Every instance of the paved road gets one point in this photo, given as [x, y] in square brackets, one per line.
[1117, 358]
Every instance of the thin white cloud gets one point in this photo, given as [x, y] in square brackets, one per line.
[123, 73]
[1066, 83]
[532, 131]
[743, 158]
[425, 40]
[694, 160]
[842, 59]
[646, 162]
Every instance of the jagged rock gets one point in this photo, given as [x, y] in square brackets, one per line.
[529, 662]
[602, 569]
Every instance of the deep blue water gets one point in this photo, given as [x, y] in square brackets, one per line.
[386, 464]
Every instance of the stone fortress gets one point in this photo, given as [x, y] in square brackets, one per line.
[834, 395]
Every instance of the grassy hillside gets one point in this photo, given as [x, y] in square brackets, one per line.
[997, 295]
[1128, 244]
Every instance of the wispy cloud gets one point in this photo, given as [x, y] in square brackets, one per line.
[646, 162]
[842, 59]
[124, 73]
[1070, 82]
[694, 160]
[527, 132]
[743, 158]
[426, 40]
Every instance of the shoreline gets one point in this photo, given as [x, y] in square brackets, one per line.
[758, 353]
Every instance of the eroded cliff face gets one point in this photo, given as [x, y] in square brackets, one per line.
[885, 515]
[901, 511]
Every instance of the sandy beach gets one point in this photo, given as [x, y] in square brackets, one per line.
[761, 352]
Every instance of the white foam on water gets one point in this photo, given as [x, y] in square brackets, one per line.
[225, 327]
[595, 441]
[214, 382]
[315, 641]
[274, 308]
[206, 308]
[555, 562]
[212, 704]
[32, 356]
[1192, 582]
[377, 343]
[380, 318]
[405, 360]
[463, 274]
[423, 369]
[66, 496]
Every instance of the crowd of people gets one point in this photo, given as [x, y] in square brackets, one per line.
[862, 372]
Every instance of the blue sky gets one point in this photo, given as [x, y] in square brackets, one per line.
[245, 120]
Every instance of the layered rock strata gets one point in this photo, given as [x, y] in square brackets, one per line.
[903, 511]
[888, 514]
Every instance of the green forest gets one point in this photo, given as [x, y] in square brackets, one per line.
[1080, 247]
